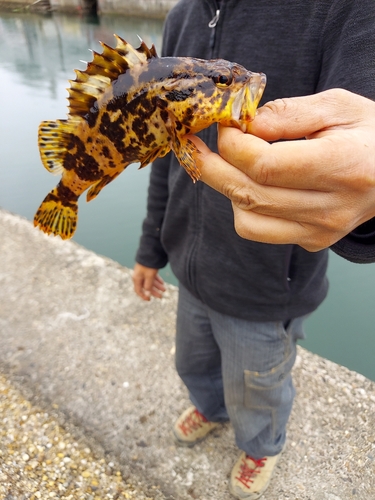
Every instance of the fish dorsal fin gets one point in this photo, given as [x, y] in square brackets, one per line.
[106, 67]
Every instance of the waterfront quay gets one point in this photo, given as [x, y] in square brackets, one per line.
[82, 350]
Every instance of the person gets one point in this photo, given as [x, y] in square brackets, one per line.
[242, 303]
[309, 206]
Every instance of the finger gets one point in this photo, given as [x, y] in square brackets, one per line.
[215, 171]
[329, 210]
[148, 286]
[138, 287]
[159, 280]
[298, 117]
[236, 184]
[273, 230]
[286, 164]
[158, 288]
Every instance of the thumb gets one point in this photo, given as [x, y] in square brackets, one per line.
[298, 117]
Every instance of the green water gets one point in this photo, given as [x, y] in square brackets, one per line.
[37, 56]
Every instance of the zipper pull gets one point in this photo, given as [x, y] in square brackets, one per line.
[214, 20]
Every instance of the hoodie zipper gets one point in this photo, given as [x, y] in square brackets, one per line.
[215, 19]
[191, 265]
[213, 23]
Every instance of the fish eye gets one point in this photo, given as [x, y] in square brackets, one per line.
[223, 81]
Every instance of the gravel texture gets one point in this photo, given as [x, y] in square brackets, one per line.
[78, 341]
[40, 460]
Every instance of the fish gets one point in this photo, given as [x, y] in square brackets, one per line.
[131, 106]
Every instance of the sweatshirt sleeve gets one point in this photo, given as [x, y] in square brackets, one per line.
[348, 48]
[359, 245]
[150, 251]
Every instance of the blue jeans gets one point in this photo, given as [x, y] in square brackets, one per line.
[238, 369]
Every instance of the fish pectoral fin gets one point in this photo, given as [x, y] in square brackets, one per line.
[185, 150]
[187, 154]
[53, 139]
[152, 155]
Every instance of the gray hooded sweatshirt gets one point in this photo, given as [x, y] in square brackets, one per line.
[304, 47]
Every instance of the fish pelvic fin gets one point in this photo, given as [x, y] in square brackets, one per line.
[53, 139]
[106, 67]
[57, 214]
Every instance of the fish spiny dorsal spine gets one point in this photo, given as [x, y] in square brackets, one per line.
[106, 67]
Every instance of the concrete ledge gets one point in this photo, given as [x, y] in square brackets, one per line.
[73, 334]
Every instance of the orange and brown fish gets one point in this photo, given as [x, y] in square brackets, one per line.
[129, 106]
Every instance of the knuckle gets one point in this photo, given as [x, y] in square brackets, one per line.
[261, 171]
[322, 237]
[242, 198]
[278, 105]
[339, 221]
[265, 168]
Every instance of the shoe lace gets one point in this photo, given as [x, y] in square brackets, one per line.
[247, 473]
[192, 422]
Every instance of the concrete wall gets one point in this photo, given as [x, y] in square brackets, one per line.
[144, 8]
[64, 5]
[152, 8]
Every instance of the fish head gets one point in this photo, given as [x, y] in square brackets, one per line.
[215, 91]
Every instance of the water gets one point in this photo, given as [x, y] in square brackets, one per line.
[37, 57]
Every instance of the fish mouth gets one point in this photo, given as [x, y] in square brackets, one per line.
[246, 102]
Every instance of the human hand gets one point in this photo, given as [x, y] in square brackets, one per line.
[147, 282]
[307, 192]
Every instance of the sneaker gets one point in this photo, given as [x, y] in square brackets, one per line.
[250, 477]
[192, 427]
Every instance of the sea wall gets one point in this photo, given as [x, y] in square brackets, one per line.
[74, 335]
[142, 8]
[152, 8]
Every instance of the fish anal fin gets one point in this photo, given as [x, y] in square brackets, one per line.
[98, 186]
[152, 155]
[53, 138]
[57, 215]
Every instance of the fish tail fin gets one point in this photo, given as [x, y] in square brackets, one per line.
[57, 215]
[53, 139]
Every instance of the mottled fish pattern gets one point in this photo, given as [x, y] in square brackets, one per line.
[130, 106]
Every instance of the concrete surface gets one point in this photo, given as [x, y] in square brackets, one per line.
[75, 337]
